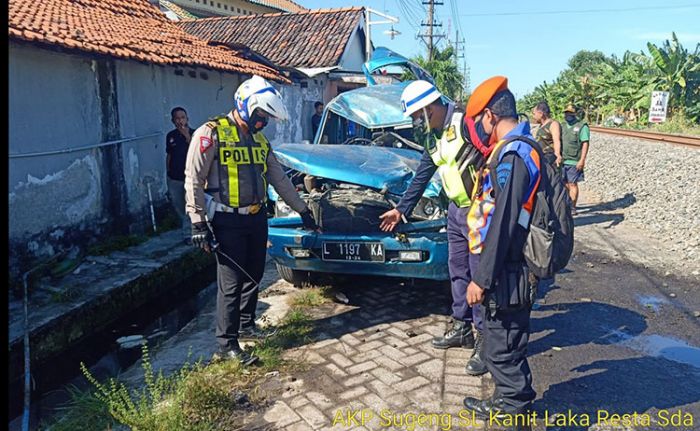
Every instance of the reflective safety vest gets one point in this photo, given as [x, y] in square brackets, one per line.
[454, 162]
[242, 164]
[481, 212]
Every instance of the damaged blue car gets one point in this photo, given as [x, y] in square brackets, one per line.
[361, 162]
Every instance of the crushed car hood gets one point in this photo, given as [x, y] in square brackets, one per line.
[375, 167]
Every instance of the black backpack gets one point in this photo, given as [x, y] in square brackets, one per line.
[550, 240]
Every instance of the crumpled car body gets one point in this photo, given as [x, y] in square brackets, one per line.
[360, 164]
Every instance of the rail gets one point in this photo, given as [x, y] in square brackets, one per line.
[689, 141]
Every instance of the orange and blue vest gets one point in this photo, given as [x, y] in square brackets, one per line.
[484, 203]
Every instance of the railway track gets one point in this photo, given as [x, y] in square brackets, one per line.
[688, 141]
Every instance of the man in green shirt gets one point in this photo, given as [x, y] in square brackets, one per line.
[575, 135]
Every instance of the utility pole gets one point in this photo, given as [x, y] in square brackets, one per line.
[459, 54]
[430, 38]
[368, 23]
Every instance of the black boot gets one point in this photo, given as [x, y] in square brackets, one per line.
[476, 365]
[252, 332]
[234, 353]
[459, 336]
[496, 408]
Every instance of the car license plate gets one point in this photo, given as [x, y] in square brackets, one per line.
[354, 251]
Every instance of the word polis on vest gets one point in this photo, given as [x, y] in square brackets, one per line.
[465, 419]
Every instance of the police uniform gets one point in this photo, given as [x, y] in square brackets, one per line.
[498, 224]
[452, 158]
[227, 174]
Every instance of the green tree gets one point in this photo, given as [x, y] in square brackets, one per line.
[444, 69]
[603, 86]
[675, 67]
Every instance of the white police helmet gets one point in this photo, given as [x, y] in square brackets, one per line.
[257, 92]
[417, 95]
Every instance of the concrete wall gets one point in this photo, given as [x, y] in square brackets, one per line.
[300, 104]
[224, 7]
[60, 100]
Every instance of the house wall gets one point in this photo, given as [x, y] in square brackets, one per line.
[60, 100]
[354, 55]
[224, 7]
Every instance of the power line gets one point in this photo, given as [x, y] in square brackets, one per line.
[407, 15]
[430, 38]
[562, 12]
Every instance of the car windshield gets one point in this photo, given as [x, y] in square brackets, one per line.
[339, 130]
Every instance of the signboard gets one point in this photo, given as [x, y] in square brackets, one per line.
[659, 103]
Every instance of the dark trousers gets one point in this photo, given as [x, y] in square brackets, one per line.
[459, 264]
[505, 352]
[244, 239]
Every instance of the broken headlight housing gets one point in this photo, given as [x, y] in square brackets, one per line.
[283, 210]
[428, 209]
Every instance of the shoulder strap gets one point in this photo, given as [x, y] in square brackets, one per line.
[498, 155]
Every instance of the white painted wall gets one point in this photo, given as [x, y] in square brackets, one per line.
[55, 104]
[354, 55]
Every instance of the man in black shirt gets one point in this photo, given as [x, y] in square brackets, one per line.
[316, 118]
[177, 143]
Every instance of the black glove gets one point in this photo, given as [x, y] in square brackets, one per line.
[308, 220]
[202, 236]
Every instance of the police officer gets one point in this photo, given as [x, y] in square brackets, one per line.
[498, 223]
[229, 164]
[439, 125]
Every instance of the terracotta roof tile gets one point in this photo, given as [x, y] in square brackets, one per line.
[312, 38]
[128, 29]
[285, 5]
[177, 10]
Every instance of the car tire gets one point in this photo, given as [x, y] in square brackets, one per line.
[293, 276]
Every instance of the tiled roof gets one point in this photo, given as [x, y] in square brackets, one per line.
[127, 29]
[285, 5]
[177, 10]
[313, 38]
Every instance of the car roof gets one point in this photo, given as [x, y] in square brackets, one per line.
[372, 107]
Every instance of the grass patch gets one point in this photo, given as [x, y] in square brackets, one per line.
[312, 297]
[196, 397]
[84, 411]
[677, 124]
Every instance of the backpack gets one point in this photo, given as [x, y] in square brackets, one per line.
[550, 239]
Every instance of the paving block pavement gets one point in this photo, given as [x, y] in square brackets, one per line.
[373, 366]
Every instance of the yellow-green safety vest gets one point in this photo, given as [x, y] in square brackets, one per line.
[241, 165]
[445, 156]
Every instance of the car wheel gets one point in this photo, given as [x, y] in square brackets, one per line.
[294, 276]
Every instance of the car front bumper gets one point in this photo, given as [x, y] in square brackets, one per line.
[286, 235]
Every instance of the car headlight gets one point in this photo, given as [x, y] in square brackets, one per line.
[283, 210]
[428, 208]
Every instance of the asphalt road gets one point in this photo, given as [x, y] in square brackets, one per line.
[612, 336]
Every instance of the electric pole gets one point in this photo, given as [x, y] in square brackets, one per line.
[459, 54]
[430, 38]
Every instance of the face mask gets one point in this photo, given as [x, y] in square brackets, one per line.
[421, 131]
[257, 122]
[570, 118]
[481, 132]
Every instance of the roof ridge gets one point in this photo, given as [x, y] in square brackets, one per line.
[145, 35]
[272, 14]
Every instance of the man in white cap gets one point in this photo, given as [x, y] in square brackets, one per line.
[440, 127]
[229, 164]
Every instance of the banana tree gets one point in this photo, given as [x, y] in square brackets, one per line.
[675, 66]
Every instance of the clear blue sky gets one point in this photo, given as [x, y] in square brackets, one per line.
[533, 47]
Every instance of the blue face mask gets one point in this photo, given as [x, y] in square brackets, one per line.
[570, 118]
[481, 132]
